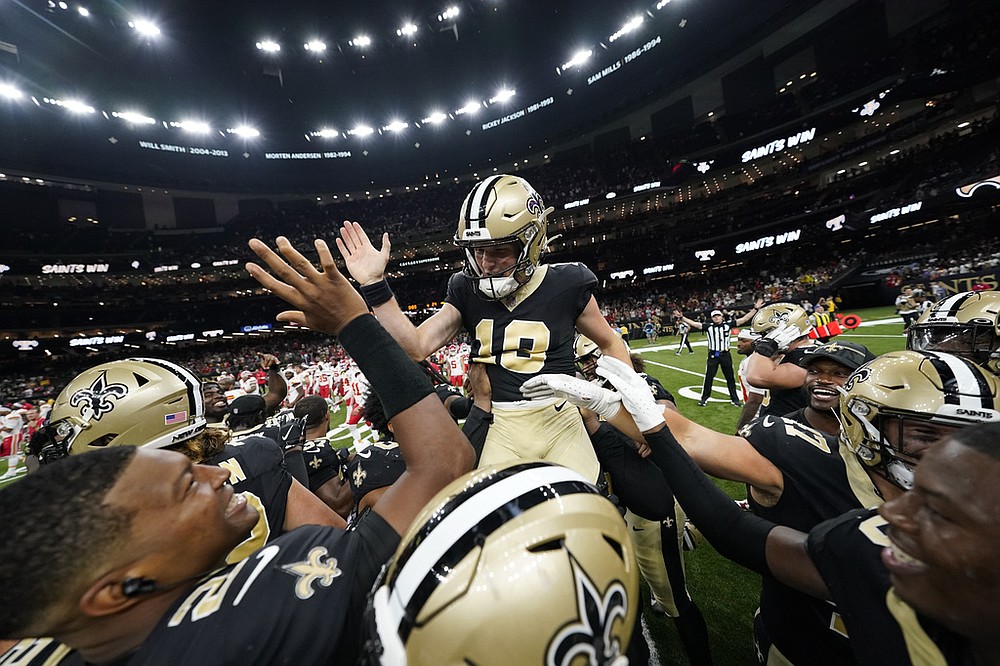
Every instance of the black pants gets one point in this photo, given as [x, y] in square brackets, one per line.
[684, 341]
[718, 360]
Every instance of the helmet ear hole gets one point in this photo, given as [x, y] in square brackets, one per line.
[550, 544]
[104, 440]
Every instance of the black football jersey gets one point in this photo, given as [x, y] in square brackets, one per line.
[883, 628]
[787, 400]
[299, 600]
[378, 466]
[257, 469]
[658, 390]
[818, 485]
[529, 333]
[323, 462]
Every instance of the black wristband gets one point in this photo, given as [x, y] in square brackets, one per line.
[376, 294]
[398, 381]
[736, 534]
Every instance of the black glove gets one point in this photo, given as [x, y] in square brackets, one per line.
[766, 347]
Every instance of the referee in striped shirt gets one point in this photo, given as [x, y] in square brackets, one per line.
[718, 331]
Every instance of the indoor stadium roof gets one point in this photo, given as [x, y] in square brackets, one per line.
[193, 93]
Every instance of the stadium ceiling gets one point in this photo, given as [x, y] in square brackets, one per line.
[310, 95]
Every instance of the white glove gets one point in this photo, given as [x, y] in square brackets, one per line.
[784, 335]
[634, 391]
[579, 392]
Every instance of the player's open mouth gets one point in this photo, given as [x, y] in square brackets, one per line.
[236, 503]
[898, 560]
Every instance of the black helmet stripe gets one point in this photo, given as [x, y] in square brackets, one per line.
[953, 304]
[191, 383]
[460, 526]
[958, 376]
[475, 211]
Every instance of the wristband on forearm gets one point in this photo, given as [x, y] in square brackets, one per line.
[736, 534]
[398, 381]
[377, 293]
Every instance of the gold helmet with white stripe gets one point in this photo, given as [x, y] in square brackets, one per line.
[529, 551]
[499, 210]
[893, 407]
[965, 324]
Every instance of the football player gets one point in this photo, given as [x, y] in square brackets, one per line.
[799, 476]
[848, 559]
[655, 519]
[157, 404]
[828, 367]
[324, 464]
[131, 538]
[521, 314]
[774, 366]
[966, 324]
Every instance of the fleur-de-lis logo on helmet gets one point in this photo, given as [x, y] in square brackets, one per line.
[590, 636]
[778, 317]
[95, 400]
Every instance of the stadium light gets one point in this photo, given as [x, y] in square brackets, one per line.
[244, 131]
[435, 118]
[470, 107]
[83, 11]
[578, 58]
[407, 30]
[192, 126]
[662, 3]
[361, 41]
[502, 96]
[74, 105]
[326, 133]
[315, 45]
[269, 46]
[396, 126]
[144, 27]
[362, 131]
[10, 92]
[448, 14]
[633, 24]
[133, 117]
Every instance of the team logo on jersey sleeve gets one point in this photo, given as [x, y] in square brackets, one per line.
[314, 569]
[590, 636]
[95, 400]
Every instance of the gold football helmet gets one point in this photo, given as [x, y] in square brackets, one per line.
[774, 315]
[966, 325]
[520, 564]
[911, 387]
[502, 209]
[587, 353]
[134, 402]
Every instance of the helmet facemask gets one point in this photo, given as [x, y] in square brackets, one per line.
[502, 209]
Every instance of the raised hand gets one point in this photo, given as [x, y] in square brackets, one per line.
[364, 262]
[325, 300]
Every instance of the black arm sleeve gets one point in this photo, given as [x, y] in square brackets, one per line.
[295, 463]
[476, 427]
[637, 481]
[736, 534]
[398, 381]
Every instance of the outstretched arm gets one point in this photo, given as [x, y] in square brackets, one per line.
[690, 322]
[367, 265]
[757, 305]
[741, 536]
[433, 447]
